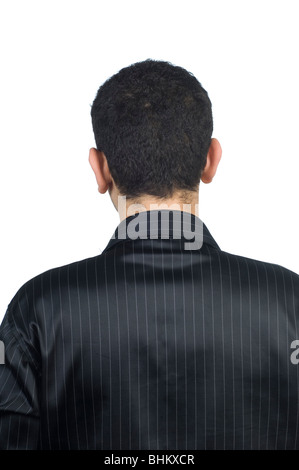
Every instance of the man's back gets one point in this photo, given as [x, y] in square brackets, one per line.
[152, 346]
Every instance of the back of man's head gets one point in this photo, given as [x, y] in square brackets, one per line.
[153, 121]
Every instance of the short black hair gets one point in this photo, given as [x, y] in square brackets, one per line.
[153, 121]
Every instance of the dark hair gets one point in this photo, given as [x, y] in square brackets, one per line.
[153, 121]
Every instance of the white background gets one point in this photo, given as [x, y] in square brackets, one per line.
[54, 56]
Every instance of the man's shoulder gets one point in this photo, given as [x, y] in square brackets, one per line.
[251, 268]
[259, 263]
[53, 281]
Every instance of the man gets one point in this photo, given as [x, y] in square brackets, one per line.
[163, 341]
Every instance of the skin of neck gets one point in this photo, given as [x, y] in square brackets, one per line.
[187, 202]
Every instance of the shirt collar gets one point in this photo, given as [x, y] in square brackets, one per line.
[162, 224]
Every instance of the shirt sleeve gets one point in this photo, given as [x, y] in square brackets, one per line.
[19, 385]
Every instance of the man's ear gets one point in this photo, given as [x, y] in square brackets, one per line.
[100, 168]
[213, 159]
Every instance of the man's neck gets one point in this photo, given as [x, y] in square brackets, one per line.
[126, 207]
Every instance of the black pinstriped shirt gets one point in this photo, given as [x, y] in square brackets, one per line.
[150, 345]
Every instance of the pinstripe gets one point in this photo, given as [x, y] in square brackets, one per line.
[72, 365]
[250, 352]
[166, 345]
[194, 350]
[260, 354]
[91, 359]
[81, 354]
[100, 349]
[175, 351]
[269, 358]
[46, 370]
[63, 356]
[186, 376]
[109, 351]
[233, 353]
[204, 354]
[147, 342]
[129, 357]
[20, 310]
[214, 355]
[138, 352]
[157, 346]
[223, 351]
[241, 349]
[119, 345]
[288, 365]
[278, 365]
[25, 381]
[55, 358]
